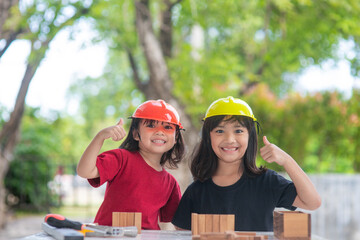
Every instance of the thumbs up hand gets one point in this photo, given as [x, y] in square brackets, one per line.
[272, 153]
[116, 132]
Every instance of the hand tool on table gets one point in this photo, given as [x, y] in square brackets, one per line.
[62, 233]
[60, 221]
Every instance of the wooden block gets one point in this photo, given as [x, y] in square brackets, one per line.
[211, 223]
[230, 235]
[137, 221]
[216, 236]
[201, 223]
[126, 219]
[261, 237]
[194, 224]
[216, 223]
[242, 237]
[122, 220]
[296, 225]
[246, 233]
[250, 237]
[292, 224]
[115, 218]
[208, 223]
[223, 223]
[130, 217]
[212, 236]
[278, 224]
[230, 220]
[195, 237]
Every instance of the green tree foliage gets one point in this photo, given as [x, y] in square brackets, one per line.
[320, 131]
[32, 169]
[246, 42]
[223, 48]
[46, 145]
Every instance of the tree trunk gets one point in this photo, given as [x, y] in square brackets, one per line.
[160, 84]
[9, 134]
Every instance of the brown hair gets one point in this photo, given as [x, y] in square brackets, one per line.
[205, 162]
[173, 156]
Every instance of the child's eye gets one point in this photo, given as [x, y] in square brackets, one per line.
[169, 127]
[150, 125]
[239, 131]
[219, 131]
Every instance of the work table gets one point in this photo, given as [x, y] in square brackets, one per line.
[151, 235]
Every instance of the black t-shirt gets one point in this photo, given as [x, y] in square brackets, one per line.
[251, 199]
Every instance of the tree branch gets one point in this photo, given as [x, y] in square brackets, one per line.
[142, 86]
[166, 28]
[159, 75]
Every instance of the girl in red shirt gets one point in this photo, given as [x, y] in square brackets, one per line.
[134, 173]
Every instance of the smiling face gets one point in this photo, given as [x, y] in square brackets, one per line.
[229, 140]
[155, 137]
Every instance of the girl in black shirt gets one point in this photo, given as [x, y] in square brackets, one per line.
[227, 180]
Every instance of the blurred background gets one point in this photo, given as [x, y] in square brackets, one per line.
[70, 68]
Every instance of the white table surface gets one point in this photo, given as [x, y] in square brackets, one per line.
[150, 235]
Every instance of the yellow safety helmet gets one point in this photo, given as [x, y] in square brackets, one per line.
[229, 106]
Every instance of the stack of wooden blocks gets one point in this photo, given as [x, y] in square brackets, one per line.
[292, 225]
[205, 223]
[127, 219]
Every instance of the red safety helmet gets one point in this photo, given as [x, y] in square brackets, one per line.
[158, 110]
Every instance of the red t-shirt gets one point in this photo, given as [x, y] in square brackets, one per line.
[134, 186]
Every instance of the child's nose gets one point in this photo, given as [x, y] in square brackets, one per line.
[160, 130]
[230, 137]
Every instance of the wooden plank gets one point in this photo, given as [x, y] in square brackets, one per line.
[223, 223]
[115, 219]
[242, 237]
[230, 222]
[201, 222]
[122, 219]
[130, 217]
[246, 233]
[216, 222]
[194, 224]
[138, 221]
[195, 237]
[209, 223]
[213, 236]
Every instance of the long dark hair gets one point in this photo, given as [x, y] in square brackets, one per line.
[205, 162]
[173, 156]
